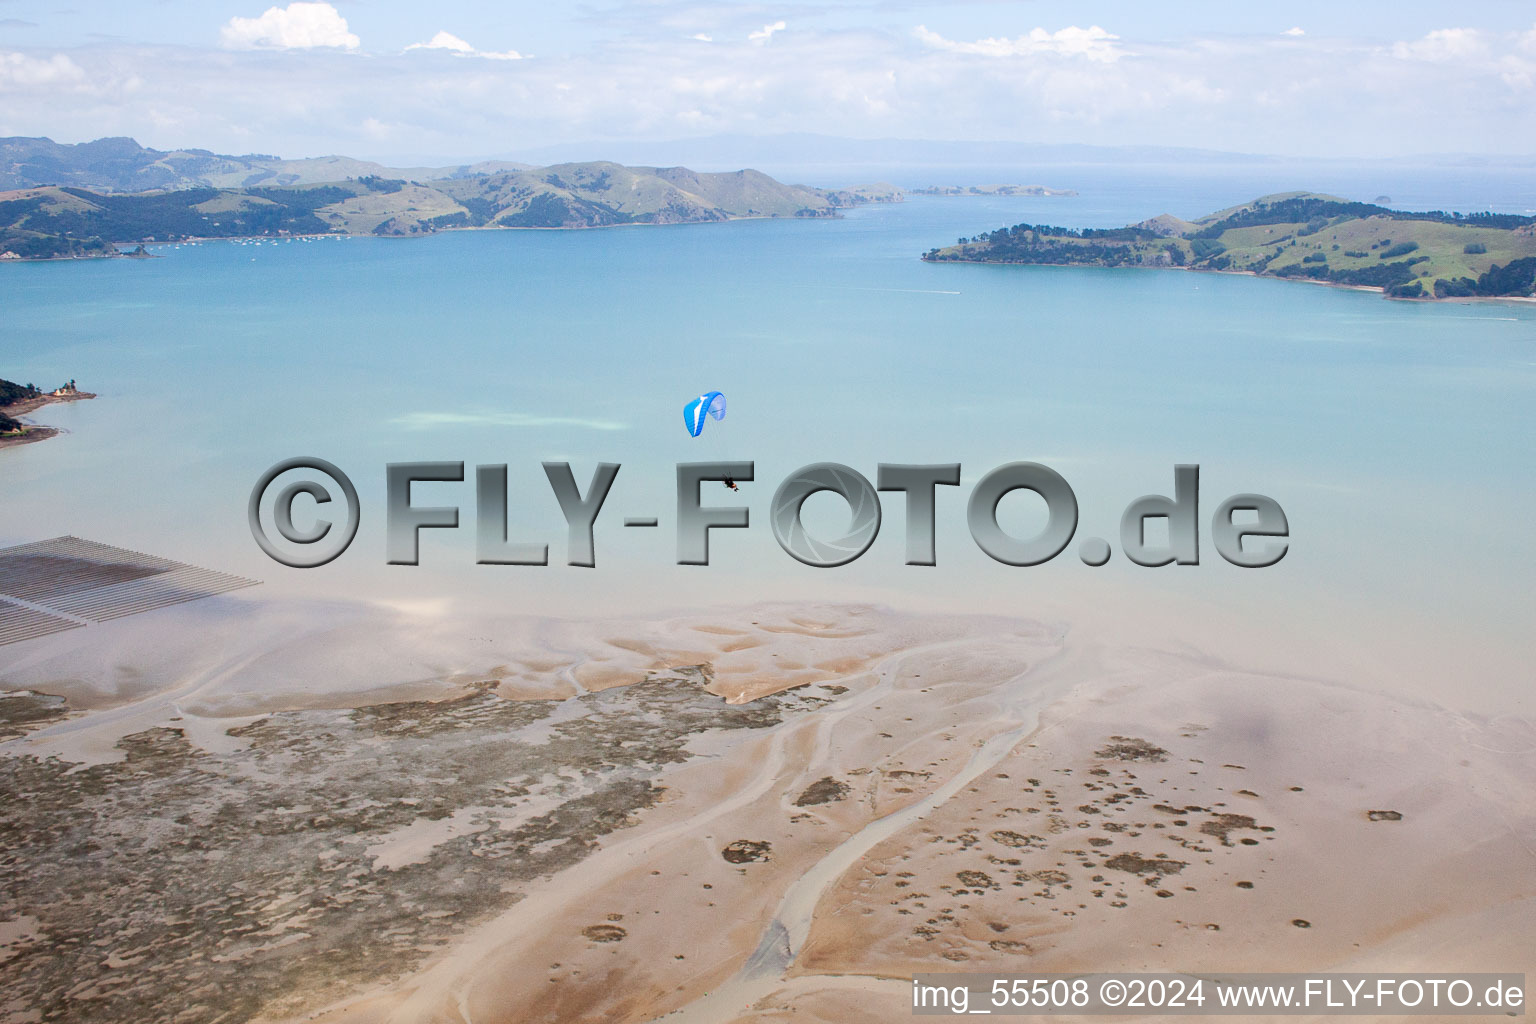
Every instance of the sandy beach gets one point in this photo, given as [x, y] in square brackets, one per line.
[769, 812]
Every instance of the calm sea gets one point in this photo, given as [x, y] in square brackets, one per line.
[1398, 437]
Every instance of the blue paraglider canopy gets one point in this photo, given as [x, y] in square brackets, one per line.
[711, 403]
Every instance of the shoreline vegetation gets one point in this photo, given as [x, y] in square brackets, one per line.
[1300, 236]
[17, 400]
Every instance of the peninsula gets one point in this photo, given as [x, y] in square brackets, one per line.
[19, 399]
[1299, 235]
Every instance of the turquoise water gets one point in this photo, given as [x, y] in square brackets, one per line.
[1398, 437]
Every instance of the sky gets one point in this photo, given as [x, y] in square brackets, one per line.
[452, 80]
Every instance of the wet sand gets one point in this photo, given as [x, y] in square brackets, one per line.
[757, 814]
[1210, 821]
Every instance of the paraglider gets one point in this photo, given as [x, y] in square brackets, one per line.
[697, 412]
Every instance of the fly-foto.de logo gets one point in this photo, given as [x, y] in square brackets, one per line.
[1248, 530]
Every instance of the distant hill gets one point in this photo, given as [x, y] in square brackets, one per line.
[68, 221]
[122, 165]
[1300, 235]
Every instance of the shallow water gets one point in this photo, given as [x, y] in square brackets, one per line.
[1398, 437]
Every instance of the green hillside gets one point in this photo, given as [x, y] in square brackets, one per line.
[1298, 235]
[122, 165]
[601, 193]
[56, 222]
[62, 222]
[10, 394]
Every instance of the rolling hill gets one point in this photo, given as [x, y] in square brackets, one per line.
[1298, 235]
[122, 165]
[68, 221]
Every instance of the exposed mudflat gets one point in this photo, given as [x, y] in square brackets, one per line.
[773, 814]
[23, 710]
[219, 886]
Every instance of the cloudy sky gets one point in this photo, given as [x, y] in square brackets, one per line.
[454, 80]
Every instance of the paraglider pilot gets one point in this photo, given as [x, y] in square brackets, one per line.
[697, 412]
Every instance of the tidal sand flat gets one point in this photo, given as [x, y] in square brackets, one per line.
[1168, 816]
[770, 812]
[211, 848]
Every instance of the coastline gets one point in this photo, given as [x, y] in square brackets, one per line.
[1265, 277]
[198, 239]
[829, 213]
[64, 259]
[37, 432]
[832, 212]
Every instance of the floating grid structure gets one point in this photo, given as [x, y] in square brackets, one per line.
[64, 583]
[18, 622]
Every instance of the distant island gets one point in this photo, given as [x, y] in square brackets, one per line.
[20, 399]
[990, 190]
[1298, 235]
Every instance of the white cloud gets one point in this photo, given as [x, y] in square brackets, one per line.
[443, 41]
[453, 44]
[765, 33]
[1518, 74]
[18, 69]
[702, 37]
[374, 128]
[1444, 44]
[299, 26]
[1257, 93]
[1528, 40]
[1093, 43]
[1294, 30]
